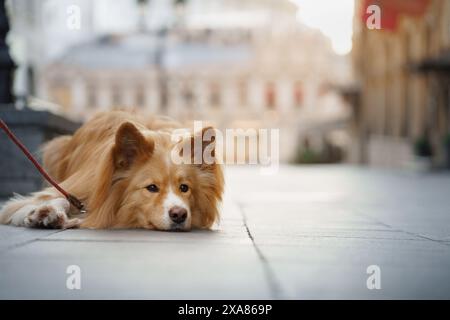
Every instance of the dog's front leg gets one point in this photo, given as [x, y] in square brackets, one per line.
[29, 212]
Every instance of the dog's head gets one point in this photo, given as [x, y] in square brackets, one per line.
[142, 187]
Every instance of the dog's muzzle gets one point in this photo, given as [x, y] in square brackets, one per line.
[179, 219]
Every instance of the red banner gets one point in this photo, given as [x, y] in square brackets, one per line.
[391, 10]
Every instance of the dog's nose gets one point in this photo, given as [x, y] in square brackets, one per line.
[178, 214]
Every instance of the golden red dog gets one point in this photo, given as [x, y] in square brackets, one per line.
[121, 168]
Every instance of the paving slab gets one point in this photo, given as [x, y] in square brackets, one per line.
[324, 268]
[319, 229]
[11, 237]
[149, 270]
[136, 264]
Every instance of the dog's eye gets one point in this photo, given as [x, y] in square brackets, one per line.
[184, 187]
[152, 188]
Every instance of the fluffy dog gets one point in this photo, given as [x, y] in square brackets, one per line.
[121, 168]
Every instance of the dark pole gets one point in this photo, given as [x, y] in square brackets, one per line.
[7, 65]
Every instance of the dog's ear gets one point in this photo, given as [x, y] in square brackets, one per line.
[130, 144]
[201, 146]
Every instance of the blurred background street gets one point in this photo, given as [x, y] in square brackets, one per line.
[359, 90]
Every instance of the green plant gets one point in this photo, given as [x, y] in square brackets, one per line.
[422, 147]
[447, 139]
[309, 156]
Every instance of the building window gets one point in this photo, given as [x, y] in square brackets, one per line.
[140, 97]
[188, 96]
[215, 95]
[243, 88]
[298, 95]
[91, 97]
[323, 90]
[116, 96]
[270, 95]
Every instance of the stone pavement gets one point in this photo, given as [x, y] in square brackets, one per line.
[304, 233]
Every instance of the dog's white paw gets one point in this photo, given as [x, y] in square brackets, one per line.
[51, 214]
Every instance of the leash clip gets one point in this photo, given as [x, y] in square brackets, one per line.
[76, 203]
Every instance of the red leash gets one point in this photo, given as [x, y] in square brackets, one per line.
[71, 198]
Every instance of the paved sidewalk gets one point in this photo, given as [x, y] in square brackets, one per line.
[306, 232]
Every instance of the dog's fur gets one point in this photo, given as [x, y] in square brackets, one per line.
[109, 163]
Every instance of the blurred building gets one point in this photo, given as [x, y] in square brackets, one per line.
[38, 34]
[243, 64]
[403, 78]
